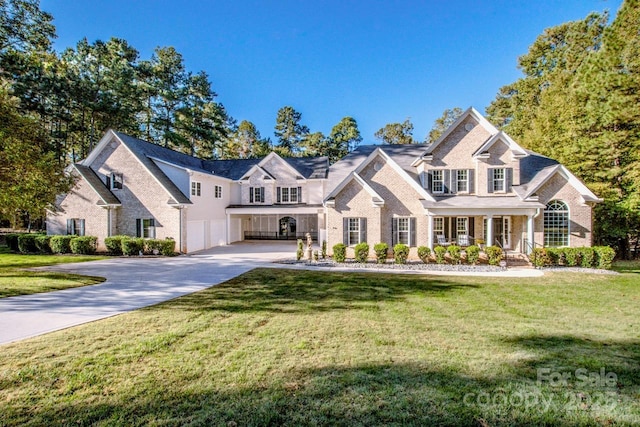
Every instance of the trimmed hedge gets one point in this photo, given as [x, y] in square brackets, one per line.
[424, 253]
[114, 244]
[61, 244]
[538, 257]
[27, 243]
[571, 256]
[604, 256]
[84, 245]
[168, 247]
[362, 252]
[455, 253]
[440, 252]
[400, 253]
[339, 252]
[494, 254]
[381, 250]
[12, 241]
[587, 257]
[132, 245]
[42, 243]
[473, 254]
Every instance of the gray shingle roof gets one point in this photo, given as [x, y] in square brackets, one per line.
[94, 181]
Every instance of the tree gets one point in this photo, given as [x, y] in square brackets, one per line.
[344, 137]
[443, 122]
[396, 133]
[30, 174]
[289, 131]
[24, 27]
[245, 142]
[315, 144]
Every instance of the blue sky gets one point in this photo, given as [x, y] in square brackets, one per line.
[377, 61]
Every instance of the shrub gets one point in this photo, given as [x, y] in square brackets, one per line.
[324, 249]
[494, 254]
[587, 257]
[538, 257]
[42, 243]
[153, 245]
[316, 256]
[168, 247]
[12, 241]
[27, 243]
[132, 245]
[571, 256]
[554, 256]
[339, 252]
[454, 253]
[424, 253]
[300, 251]
[400, 253]
[60, 244]
[604, 256]
[84, 245]
[440, 252]
[381, 250]
[362, 252]
[473, 254]
[114, 244]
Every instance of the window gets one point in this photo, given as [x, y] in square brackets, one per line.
[195, 188]
[498, 179]
[218, 192]
[437, 181]
[256, 194]
[293, 195]
[355, 231]
[75, 226]
[285, 195]
[438, 225]
[404, 231]
[146, 228]
[556, 224]
[462, 181]
[289, 194]
[462, 226]
[114, 181]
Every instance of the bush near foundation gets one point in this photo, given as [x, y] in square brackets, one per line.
[400, 253]
[84, 245]
[473, 254]
[362, 252]
[168, 247]
[604, 256]
[440, 252]
[424, 253]
[571, 256]
[27, 243]
[494, 254]
[382, 251]
[114, 244]
[339, 252]
[61, 244]
[42, 243]
[454, 253]
[587, 257]
[132, 245]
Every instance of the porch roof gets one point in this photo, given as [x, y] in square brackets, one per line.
[467, 204]
[274, 209]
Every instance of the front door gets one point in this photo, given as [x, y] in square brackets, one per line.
[501, 231]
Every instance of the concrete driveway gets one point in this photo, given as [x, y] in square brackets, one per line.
[131, 283]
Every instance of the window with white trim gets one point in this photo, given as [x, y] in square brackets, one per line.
[462, 180]
[462, 226]
[195, 188]
[75, 226]
[353, 231]
[556, 224]
[288, 194]
[403, 230]
[437, 181]
[146, 228]
[115, 181]
[499, 179]
[218, 191]
[438, 225]
[256, 194]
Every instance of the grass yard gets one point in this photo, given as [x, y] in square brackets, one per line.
[285, 347]
[16, 281]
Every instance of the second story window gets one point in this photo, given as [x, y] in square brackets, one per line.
[462, 180]
[438, 181]
[114, 181]
[256, 194]
[498, 179]
[218, 191]
[288, 194]
[195, 188]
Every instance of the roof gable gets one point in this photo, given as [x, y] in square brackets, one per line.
[376, 199]
[515, 148]
[547, 173]
[106, 196]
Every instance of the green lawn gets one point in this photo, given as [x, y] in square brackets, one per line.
[285, 347]
[14, 280]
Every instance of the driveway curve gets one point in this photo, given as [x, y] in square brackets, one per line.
[131, 283]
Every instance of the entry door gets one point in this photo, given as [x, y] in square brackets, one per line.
[501, 231]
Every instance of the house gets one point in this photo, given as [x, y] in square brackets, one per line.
[473, 184]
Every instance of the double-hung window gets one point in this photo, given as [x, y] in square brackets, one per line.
[462, 180]
[218, 192]
[75, 226]
[462, 226]
[195, 188]
[437, 181]
[499, 179]
[354, 231]
[146, 228]
[404, 231]
[256, 194]
[115, 181]
[288, 194]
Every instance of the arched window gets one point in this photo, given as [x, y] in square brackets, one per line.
[556, 224]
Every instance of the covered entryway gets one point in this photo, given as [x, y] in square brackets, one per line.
[275, 223]
[287, 227]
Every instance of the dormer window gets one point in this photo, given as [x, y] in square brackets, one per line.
[437, 181]
[498, 180]
[462, 180]
[196, 188]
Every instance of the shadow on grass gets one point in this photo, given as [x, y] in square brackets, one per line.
[361, 395]
[276, 290]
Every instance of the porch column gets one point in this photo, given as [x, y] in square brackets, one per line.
[430, 231]
[530, 237]
[490, 230]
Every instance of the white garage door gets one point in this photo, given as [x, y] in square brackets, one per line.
[218, 232]
[196, 234]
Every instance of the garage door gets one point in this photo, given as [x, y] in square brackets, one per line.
[195, 235]
[218, 232]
